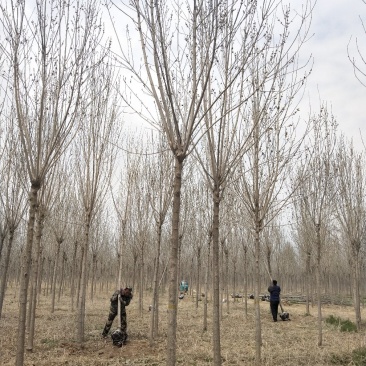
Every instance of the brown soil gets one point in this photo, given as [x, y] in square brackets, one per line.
[284, 343]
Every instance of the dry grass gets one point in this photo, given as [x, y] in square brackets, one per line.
[284, 343]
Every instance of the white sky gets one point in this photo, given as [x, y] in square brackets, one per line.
[335, 24]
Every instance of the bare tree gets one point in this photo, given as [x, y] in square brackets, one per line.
[304, 238]
[316, 190]
[12, 201]
[276, 85]
[208, 270]
[159, 176]
[7, 146]
[140, 218]
[35, 275]
[224, 141]
[76, 247]
[201, 221]
[178, 46]
[95, 154]
[45, 197]
[351, 211]
[247, 244]
[60, 213]
[123, 207]
[48, 50]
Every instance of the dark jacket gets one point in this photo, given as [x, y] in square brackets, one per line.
[125, 299]
[274, 291]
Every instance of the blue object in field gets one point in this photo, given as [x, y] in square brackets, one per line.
[183, 286]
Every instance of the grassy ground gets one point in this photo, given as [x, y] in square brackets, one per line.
[284, 343]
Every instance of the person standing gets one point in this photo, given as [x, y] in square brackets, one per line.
[125, 296]
[274, 298]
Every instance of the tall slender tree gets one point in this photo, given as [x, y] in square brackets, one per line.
[351, 212]
[48, 49]
[13, 199]
[304, 238]
[159, 176]
[178, 47]
[224, 142]
[316, 189]
[45, 198]
[276, 84]
[95, 154]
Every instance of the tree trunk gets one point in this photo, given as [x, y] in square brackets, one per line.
[179, 267]
[25, 274]
[4, 276]
[308, 281]
[173, 266]
[318, 286]
[30, 296]
[83, 283]
[79, 274]
[40, 274]
[246, 281]
[226, 251]
[94, 271]
[258, 327]
[48, 275]
[3, 232]
[134, 270]
[152, 306]
[73, 274]
[206, 283]
[34, 292]
[54, 275]
[141, 285]
[154, 324]
[356, 286]
[60, 287]
[216, 278]
[234, 280]
[190, 277]
[221, 284]
[198, 295]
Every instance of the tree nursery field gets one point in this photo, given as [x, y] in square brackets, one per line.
[291, 342]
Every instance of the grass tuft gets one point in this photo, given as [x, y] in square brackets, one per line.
[359, 356]
[356, 358]
[348, 326]
[344, 325]
[333, 320]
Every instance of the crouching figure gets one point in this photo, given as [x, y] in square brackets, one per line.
[119, 336]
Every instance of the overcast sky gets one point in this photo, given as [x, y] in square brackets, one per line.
[335, 24]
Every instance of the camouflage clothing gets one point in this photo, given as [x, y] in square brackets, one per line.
[125, 298]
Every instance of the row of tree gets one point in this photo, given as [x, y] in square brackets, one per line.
[230, 178]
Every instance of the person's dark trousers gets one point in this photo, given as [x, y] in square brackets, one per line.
[274, 309]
